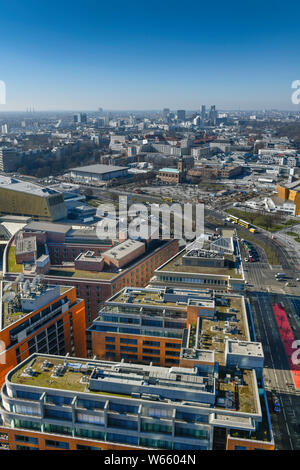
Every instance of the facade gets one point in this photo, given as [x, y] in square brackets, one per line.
[169, 175]
[36, 317]
[27, 199]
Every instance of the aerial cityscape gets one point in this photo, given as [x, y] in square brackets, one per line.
[149, 232]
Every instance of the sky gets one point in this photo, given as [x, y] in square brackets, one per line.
[82, 55]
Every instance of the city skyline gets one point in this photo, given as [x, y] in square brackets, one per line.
[132, 57]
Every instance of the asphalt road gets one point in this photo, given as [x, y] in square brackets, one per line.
[277, 375]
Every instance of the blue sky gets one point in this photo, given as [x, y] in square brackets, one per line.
[149, 55]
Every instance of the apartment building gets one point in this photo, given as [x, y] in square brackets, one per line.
[39, 317]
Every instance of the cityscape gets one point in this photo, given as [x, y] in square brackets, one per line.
[150, 259]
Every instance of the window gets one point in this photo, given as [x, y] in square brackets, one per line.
[111, 339]
[32, 440]
[58, 414]
[151, 343]
[128, 348]
[128, 341]
[82, 447]
[60, 444]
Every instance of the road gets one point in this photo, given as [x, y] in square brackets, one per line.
[277, 375]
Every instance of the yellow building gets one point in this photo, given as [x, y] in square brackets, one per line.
[290, 192]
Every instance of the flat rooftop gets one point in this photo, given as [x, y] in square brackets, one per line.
[112, 379]
[36, 226]
[160, 298]
[138, 382]
[98, 169]
[175, 265]
[25, 245]
[245, 347]
[230, 323]
[125, 248]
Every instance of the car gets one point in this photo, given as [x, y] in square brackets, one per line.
[298, 279]
[246, 260]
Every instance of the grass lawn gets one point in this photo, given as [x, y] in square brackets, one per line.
[12, 267]
[266, 221]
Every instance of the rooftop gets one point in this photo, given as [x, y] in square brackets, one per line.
[176, 298]
[146, 383]
[16, 303]
[175, 265]
[25, 187]
[125, 248]
[98, 168]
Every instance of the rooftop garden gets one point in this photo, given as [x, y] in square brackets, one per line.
[12, 266]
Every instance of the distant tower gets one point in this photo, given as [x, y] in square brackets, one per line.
[181, 115]
[203, 112]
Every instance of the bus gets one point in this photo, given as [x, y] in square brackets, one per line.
[233, 219]
[280, 276]
[243, 223]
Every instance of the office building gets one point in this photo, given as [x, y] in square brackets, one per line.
[10, 159]
[80, 118]
[200, 267]
[56, 402]
[181, 115]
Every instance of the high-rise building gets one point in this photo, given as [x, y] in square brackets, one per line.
[9, 159]
[213, 114]
[80, 118]
[166, 112]
[181, 115]
[39, 317]
[203, 112]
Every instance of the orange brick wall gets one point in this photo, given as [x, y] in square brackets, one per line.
[99, 349]
[250, 445]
